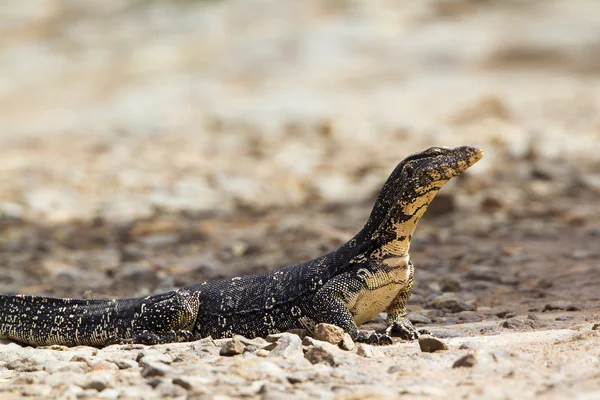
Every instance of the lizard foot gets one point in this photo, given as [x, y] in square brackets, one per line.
[405, 330]
[375, 338]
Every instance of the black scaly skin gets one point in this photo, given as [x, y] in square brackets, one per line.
[369, 274]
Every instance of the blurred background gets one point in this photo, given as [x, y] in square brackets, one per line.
[119, 107]
[146, 140]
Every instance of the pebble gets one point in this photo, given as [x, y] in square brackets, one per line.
[317, 354]
[419, 318]
[561, 305]
[347, 343]
[431, 344]
[596, 327]
[232, 347]
[329, 333]
[451, 302]
[506, 313]
[256, 342]
[466, 361]
[153, 368]
[154, 355]
[289, 346]
[364, 350]
[516, 323]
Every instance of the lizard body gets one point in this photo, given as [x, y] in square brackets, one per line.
[369, 274]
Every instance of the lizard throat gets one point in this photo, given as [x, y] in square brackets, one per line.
[401, 232]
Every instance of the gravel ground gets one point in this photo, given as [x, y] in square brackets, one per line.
[150, 145]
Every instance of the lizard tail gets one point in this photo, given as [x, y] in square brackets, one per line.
[40, 321]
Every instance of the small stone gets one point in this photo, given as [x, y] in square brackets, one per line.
[561, 305]
[232, 347]
[154, 355]
[516, 323]
[364, 350]
[257, 342]
[274, 337]
[469, 316]
[419, 318]
[289, 346]
[562, 318]
[596, 327]
[262, 353]
[347, 343]
[195, 384]
[318, 355]
[451, 285]
[125, 364]
[396, 369]
[329, 333]
[431, 344]
[297, 377]
[152, 368]
[98, 382]
[506, 314]
[533, 317]
[451, 302]
[466, 361]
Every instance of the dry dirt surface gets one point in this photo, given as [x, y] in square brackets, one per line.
[150, 145]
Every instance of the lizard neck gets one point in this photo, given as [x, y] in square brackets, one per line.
[392, 239]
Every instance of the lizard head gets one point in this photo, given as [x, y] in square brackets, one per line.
[435, 166]
[411, 188]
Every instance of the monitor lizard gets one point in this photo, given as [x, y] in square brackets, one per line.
[369, 274]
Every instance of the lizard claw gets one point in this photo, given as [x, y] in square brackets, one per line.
[375, 338]
[405, 330]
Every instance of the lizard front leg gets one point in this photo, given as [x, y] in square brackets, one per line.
[331, 305]
[397, 320]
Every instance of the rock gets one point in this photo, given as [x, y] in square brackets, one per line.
[484, 273]
[232, 348]
[469, 316]
[347, 343]
[155, 356]
[397, 369]
[97, 382]
[562, 318]
[516, 323]
[262, 353]
[125, 364]
[365, 350]
[451, 302]
[289, 346]
[418, 318]
[466, 361]
[451, 285]
[596, 327]
[329, 333]
[506, 314]
[431, 344]
[152, 369]
[318, 355]
[561, 305]
[256, 342]
[274, 337]
[196, 384]
[297, 377]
